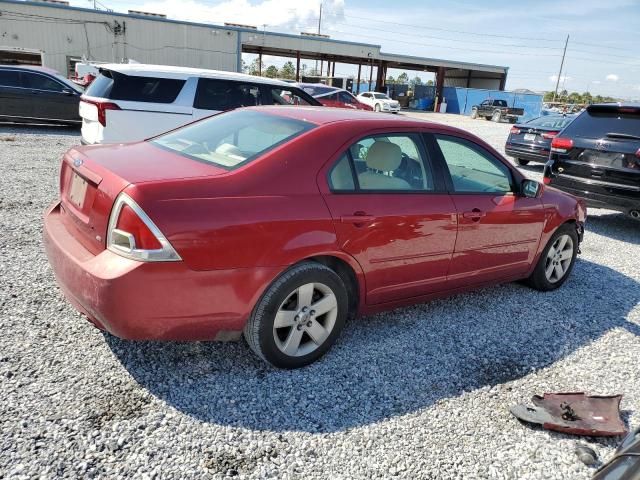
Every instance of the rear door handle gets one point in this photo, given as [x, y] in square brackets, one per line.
[357, 218]
[597, 173]
[475, 214]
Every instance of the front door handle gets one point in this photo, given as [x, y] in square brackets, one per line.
[358, 218]
[476, 214]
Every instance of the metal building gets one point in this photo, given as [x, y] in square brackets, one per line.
[53, 34]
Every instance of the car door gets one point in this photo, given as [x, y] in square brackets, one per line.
[392, 214]
[366, 99]
[12, 95]
[347, 101]
[498, 229]
[51, 99]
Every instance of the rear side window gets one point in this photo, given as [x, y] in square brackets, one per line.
[232, 139]
[213, 94]
[598, 124]
[116, 86]
[10, 78]
[285, 96]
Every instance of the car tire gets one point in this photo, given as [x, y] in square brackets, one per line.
[496, 117]
[377, 107]
[284, 346]
[474, 114]
[522, 162]
[550, 260]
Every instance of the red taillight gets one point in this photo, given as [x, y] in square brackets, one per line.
[515, 130]
[561, 145]
[102, 109]
[638, 153]
[131, 223]
[546, 180]
[549, 135]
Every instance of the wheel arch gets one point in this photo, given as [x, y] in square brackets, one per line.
[352, 278]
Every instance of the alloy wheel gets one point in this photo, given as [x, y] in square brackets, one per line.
[305, 319]
[559, 258]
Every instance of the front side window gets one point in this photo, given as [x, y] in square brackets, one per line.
[232, 139]
[213, 94]
[40, 82]
[472, 169]
[381, 96]
[283, 96]
[383, 163]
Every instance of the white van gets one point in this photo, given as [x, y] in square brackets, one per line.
[132, 102]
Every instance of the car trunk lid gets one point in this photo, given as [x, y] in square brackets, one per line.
[92, 177]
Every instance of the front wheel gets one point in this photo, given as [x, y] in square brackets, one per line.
[522, 162]
[377, 107]
[474, 114]
[299, 317]
[557, 260]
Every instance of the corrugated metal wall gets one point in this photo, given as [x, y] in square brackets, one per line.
[100, 36]
[460, 100]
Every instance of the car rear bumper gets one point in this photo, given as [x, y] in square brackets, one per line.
[151, 300]
[614, 199]
[526, 154]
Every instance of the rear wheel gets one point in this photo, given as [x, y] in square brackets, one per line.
[522, 162]
[299, 317]
[497, 116]
[557, 260]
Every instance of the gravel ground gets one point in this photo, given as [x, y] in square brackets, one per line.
[420, 392]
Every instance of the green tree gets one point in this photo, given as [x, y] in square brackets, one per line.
[390, 80]
[415, 81]
[429, 83]
[271, 71]
[403, 78]
[254, 67]
[288, 71]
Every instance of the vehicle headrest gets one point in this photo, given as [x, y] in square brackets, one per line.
[385, 156]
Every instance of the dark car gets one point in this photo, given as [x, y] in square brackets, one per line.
[496, 110]
[597, 157]
[37, 95]
[531, 141]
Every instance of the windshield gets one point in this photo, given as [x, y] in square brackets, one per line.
[232, 139]
[381, 96]
[550, 121]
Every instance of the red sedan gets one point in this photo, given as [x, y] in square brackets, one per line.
[283, 222]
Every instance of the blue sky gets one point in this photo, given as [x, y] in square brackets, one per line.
[527, 36]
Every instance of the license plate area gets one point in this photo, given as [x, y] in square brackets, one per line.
[77, 190]
[530, 137]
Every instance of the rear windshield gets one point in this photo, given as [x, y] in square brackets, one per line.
[116, 86]
[232, 139]
[599, 124]
[550, 121]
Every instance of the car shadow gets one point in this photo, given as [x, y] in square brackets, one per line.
[389, 364]
[7, 128]
[615, 225]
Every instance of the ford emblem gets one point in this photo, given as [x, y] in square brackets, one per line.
[77, 162]
[602, 145]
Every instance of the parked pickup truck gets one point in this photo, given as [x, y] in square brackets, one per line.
[496, 110]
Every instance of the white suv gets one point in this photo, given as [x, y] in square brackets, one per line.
[379, 102]
[132, 102]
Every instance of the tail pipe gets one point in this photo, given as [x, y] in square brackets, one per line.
[635, 214]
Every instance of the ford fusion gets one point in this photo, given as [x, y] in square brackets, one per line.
[281, 223]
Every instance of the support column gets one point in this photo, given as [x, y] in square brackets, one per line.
[358, 84]
[380, 77]
[469, 79]
[260, 63]
[297, 66]
[321, 67]
[333, 69]
[439, 85]
[503, 81]
[370, 74]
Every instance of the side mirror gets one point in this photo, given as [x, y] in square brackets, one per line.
[530, 188]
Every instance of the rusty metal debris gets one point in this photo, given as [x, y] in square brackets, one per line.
[574, 413]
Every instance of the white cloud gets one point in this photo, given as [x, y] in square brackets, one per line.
[563, 78]
[612, 77]
[293, 15]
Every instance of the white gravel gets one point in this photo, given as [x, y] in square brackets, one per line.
[420, 392]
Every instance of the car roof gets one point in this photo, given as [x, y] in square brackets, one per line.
[326, 115]
[614, 105]
[182, 73]
[36, 68]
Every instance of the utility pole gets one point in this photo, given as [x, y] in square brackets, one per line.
[319, 26]
[555, 94]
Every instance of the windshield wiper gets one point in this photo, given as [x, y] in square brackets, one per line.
[625, 136]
